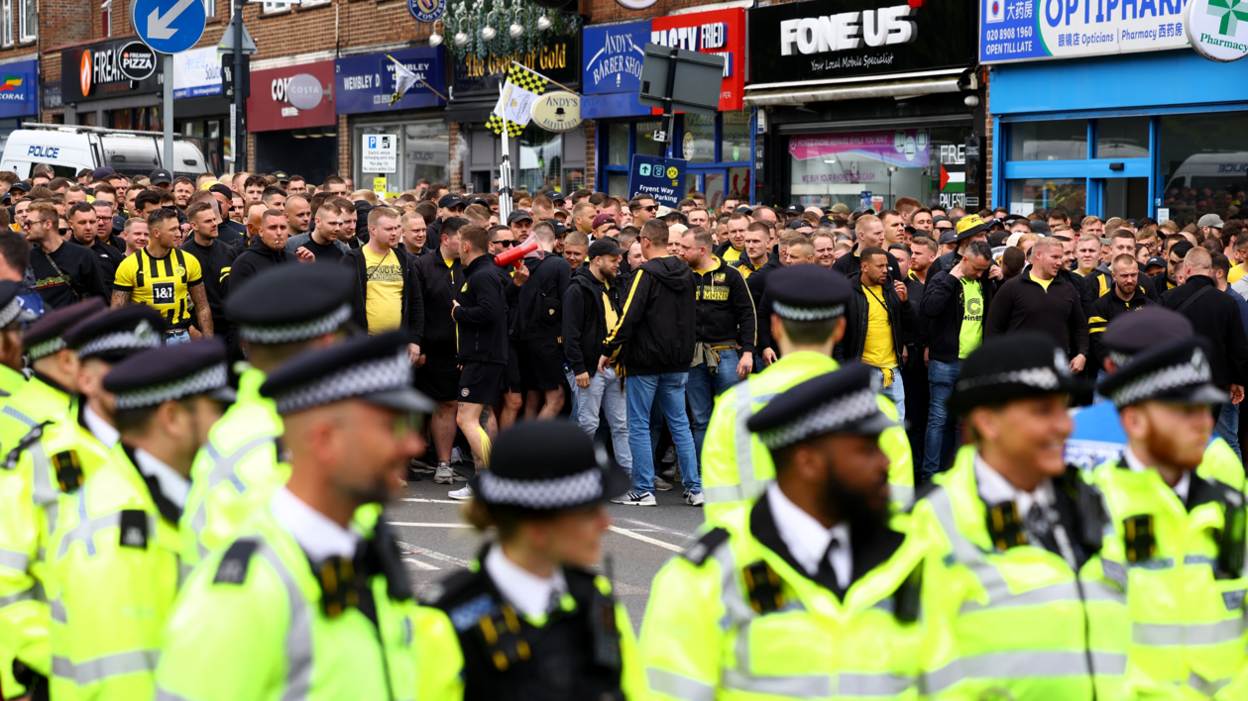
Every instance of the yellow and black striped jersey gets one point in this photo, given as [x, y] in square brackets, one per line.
[161, 283]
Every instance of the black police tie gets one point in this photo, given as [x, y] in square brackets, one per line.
[1037, 524]
[826, 574]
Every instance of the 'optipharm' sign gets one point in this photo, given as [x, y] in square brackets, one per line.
[1013, 30]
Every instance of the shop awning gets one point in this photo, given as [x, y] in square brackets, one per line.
[825, 93]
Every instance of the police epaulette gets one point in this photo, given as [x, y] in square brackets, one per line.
[235, 562]
[32, 436]
[705, 545]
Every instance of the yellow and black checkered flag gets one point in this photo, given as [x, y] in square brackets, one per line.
[515, 104]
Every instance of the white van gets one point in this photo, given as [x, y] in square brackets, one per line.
[1216, 171]
[69, 149]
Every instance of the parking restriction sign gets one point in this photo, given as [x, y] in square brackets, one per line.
[380, 153]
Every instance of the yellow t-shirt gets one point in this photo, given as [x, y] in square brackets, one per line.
[731, 254]
[1236, 273]
[878, 350]
[383, 301]
[1043, 283]
[161, 283]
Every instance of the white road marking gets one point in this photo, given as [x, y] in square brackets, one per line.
[646, 525]
[431, 554]
[432, 501]
[429, 525]
[646, 539]
[421, 565]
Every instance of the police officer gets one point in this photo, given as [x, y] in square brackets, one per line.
[1179, 540]
[304, 603]
[529, 620]
[807, 320]
[16, 316]
[239, 467]
[1037, 617]
[54, 460]
[114, 554]
[796, 597]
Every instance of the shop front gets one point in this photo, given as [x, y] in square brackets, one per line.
[200, 112]
[719, 148]
[1115, 114]
[291, 113]
[866, 101]
[19, 96]
[114, 84]
[542, 160]
[365, 89]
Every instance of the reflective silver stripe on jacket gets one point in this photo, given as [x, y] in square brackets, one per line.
[14, 560]
[817, 686]
[86, 527]
[59, 614]
[43, 492]
[748, 485]
[1029, 664]
[34, 593]
[901, 494]
[1165, 634]
[106, 667]
[222, 471]
[166, 695]
[999, 595]
[1208, 688]
[298, 634]
[678, 686]
[881, 684]
[21, 418]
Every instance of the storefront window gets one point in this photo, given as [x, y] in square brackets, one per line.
[617, 144]
[880, 166]
[1125, 137]
[735, 145]
[422, 153]
[1204, 163]
[646, 145]
[1065, 140]
[1071, 194]
[541, 158]
[617, 184]
[698, 145]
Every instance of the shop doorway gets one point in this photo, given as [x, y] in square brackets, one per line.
[1124, 197]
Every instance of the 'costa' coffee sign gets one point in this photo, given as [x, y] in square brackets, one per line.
[107, 69]
[297, 97]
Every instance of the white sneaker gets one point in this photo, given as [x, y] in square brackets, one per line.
[669, 457]
[456, 455]
[635, 499]
[662, 485]
[695, 499]
[444, 475]
[463, 494]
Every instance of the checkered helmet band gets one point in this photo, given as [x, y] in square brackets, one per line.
[302, 331]
[204, 381]
[134, 340]
[785, 311]
[381, 375]
[1044, 378]
[45, 348]
[556, 493]
[827, 418]
[11, 311]
[1163, 380]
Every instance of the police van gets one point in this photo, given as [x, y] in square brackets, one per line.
[69, 149]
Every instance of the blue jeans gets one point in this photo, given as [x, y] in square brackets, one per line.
[640, 391]
[173, 338]
[702, 390]
[1097, 397]
[1228, 425]
[895, 391]
[571, 377]
[604, 393]
[940, 425]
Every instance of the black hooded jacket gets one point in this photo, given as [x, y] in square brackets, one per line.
[585, 319]
[539, 302]
[656, 332]
[254, 260]
[482, 312]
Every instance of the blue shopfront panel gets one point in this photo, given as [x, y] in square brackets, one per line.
[19, 89]
[611, 74]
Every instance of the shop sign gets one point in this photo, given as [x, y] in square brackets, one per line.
[660, 178]
[380, 153]
[366, 83]
[138, 61]
[19, 87]
[1013, 30]
[427, 10]
[903, 147]
[481, 77]
[611, 71]
[715, 32]
[1218, 29]
[836, 39]
[557, 111]
[196, 73]
[294, 97]
[98, 71]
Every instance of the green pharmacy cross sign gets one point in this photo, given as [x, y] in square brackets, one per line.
[1230, 12]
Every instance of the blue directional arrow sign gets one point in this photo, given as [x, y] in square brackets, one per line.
[168, 26]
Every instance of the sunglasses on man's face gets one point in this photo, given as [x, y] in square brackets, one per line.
[505, 243]
[651, 208]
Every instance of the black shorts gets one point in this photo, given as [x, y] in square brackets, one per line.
[511, 378]
[481, 383]
[438, 378]
[541, 364]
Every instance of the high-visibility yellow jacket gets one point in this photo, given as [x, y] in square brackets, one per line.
[255, 624]
[736, 618]
[471, 644]
[737, 467]
[1185, 581]
[1027, 624]
[10, 380]
[236, 471]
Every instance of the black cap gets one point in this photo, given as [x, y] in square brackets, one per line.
[605, 247]
[265, 311]
[221, 189]
[808, 293]
[46, 336]
[476, 199]
[1177, 371]
[1040, 226]
[1157, 261]
[13, 311]
[548, 466]
[116, 334]
[1011, 218]
[1129, 334]
[1015, 366]
[21, 186]
[518, 215]
[843, 401]
[799, 223]
[102, 172]
[948, 236]
[794, 209]
[281, 176]
[168, 373]
[744, 209]
[560, 229]
[827, 220]
[450, 200]
[555, 196]
[373, 369]
[864, 209]
[160, 175]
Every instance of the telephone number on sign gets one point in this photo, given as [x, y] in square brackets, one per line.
[1024, 32]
